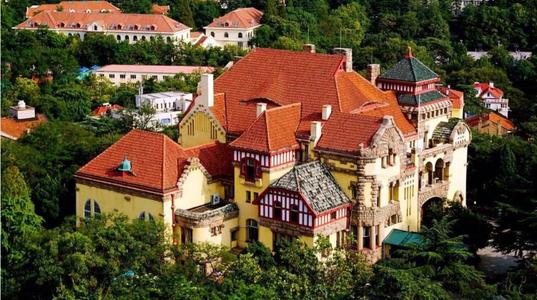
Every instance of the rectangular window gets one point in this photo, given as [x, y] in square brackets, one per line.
[133, 76]
[122, 76]
[366, 240]
[294, 214]
[377, 235]
[255, 195]
[277, 210]
[248, 196]
[234, 234]
[112, 75]
[186, 235]
[333, 215]
[101, 75]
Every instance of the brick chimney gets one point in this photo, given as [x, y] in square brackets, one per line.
[373, 72]
[261, 107]
[348, 55]
[310, 48]
[207, 90]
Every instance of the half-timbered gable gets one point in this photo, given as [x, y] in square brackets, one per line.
[308, 198]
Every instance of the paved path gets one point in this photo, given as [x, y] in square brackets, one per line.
[494, 262]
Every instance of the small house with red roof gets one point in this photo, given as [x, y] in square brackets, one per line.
[491, 123]
[492, 97]
[236, 27]
[74, 7]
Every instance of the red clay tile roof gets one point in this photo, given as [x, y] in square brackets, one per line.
[273, 130]
[280, 77]
[492, 117]
[157, 161]
[69, 21]
[246, 17]
[345, 132]
[77, 6]
[485, 87]
[456, 97]
[11, 128]
[160, 9]
[103, 109]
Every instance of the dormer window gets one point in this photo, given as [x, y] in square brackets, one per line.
[95, 27]
[136, 27]
[62, 24]
[226, 24]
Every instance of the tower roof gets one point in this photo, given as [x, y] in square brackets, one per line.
[409, 69]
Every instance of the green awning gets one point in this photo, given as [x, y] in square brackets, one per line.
[403, 238]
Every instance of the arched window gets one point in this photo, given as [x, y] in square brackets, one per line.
[212, 33]
[135, 38]
[151, 38]
[252, 230]
[145, 216]
[226, 35]
[143, 37]
[168, 39]
[127, 37]
[240, 35]
[118, 37]
[96, 208]
[95, 27]
[87, 209]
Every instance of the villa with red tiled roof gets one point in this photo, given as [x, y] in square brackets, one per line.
[491, 123]
[124, 27]
[236, 27]
[287, 145]
[21, 121]
[74, 6]
[492, 97]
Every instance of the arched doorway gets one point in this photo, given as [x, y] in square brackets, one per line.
[439, 170]
[429, 172]
[432, 209]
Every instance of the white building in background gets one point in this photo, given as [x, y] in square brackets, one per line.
[516, 55]
[492, 97]
[236, 27]
[119, 74]
[124, 27]
[168, 105]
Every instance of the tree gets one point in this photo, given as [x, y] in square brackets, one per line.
[438, 264]
[77, 102]
[19, 223]
[182, 12]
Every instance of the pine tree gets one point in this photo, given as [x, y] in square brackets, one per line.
[183, 13]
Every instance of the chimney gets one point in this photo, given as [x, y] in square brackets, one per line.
[491, 84]
[207, 90]
[348, 54]
[373, 72]
[310, 48]
[261, 107]
[315, 131]
[327, 111]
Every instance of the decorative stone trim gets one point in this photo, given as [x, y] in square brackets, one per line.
[192, 165]
[439, 189]
[119, 189]
[286, 228]
[371, 216]
[214, 217]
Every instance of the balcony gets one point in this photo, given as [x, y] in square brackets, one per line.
[438, 189]
[204, 215]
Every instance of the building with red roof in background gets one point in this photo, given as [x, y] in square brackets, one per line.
[74, 7]
[287, 145]
[492, 97]
[491, 123]
[236, 27]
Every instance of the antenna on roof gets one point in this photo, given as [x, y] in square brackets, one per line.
[308, 37]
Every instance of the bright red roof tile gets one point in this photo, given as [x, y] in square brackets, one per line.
[273, 130]
[80, 21]
[12, 128]
[456, 97]
[74, 6]
[345, 132]
[246, 17]
[485, 88]
[492, 117]
[157, 161]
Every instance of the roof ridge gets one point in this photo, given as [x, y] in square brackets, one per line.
[267, 129]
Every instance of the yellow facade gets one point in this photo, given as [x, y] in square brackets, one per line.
[199, 128]
[457, 113]
[129, 204]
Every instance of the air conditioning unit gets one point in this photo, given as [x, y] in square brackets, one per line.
[215, 199]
